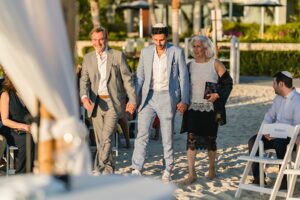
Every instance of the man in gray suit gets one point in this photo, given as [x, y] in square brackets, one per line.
[104, 83]
[162, 86]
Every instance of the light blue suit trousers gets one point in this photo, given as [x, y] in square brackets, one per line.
[157, 102]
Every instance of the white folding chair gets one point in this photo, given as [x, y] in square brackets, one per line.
[275, 129]
[270, 153]
[293, 173]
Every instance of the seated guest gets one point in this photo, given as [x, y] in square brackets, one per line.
[13, 113]
[3, 129]
[285, 109]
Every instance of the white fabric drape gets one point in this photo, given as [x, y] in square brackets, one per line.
[34, 45]
[35, 53]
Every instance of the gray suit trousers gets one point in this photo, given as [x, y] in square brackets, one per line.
[104, 120]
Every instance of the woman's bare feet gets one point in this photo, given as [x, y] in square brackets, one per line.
[211, 173]
[189, 180]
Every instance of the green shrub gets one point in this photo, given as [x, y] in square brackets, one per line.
[117, 36]
[267, 63]
[289, 32]
[285, 33]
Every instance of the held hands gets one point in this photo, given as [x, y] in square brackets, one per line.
[181, 107]
[212, 97]
[87, 103]
[130, 108]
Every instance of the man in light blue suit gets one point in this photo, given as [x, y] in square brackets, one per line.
[162, 87]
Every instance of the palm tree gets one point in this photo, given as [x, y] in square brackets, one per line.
[69, 10]
[197, 17]
[152, 12]
[216, 5]
[175, 21]
[95, 13]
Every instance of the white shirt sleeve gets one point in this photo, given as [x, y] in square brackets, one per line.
[270, 116]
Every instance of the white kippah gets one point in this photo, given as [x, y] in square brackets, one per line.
[287, 74]
[159, 25]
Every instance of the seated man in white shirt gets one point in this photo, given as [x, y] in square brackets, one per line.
[285, 109]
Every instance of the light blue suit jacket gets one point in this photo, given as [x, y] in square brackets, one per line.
[177, 74]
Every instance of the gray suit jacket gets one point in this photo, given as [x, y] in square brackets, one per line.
[177, 74]
[118, 76]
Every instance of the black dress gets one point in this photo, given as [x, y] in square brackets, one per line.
[18, 112]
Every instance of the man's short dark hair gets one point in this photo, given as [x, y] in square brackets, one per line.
[160, 30]
[280, 77]
[97, 30]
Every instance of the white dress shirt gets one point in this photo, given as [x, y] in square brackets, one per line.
[160, 80]
[284, 110]
[102, 61]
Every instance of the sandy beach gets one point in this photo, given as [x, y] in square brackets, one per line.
[245, 110]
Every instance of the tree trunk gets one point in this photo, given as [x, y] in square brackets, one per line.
[152, 12]
[175, 21]
[95, 13]
[69, 11]
[197, 17]
[216, 3]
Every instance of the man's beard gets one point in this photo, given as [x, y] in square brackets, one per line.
[161, 47]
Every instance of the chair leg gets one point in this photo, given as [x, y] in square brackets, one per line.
[10, 156]
[117, 143]
[261, 166]
[294, 177]
[7, 160]
[291, 186]
[243, 179]
[281, 173]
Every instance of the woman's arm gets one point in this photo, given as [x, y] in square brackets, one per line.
[220, 68]
[5, 115]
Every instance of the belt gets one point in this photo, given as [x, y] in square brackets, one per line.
[103, 96]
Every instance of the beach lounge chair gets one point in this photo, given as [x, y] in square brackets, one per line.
[275, 130]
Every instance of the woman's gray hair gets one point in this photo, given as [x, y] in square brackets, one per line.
[210, 50]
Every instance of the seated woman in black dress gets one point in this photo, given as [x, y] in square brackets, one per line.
[210, 86]
[13, 113]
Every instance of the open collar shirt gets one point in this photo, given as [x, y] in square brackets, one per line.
[102, 61]
[160, 76]
[284, 110]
